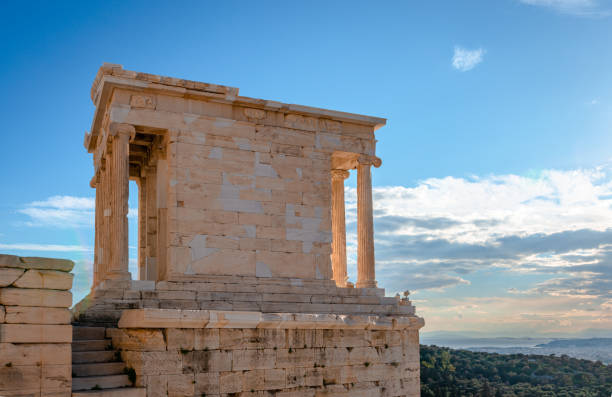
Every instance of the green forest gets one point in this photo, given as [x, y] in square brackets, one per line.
[448, 373]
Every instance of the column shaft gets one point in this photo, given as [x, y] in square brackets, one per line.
[162, 219]
[151, 251]
[142, 228]
[98, 231]
[338, 227]
[104, 254]
[365, 227]
[120, 178]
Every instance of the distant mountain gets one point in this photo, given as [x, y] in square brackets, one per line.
[594, 349]
[457, 341]
[605, 343]
[587, 333]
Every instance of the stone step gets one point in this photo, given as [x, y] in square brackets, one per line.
[101, 382]
[88, 333]
[93, 357]
[90, 345]
[121, 392]
[98, 369]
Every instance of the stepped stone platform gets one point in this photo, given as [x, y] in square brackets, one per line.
[249, 336]
[107, 302]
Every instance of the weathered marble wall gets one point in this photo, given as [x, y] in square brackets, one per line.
[35, 330]
[253, 201]
[216, 361]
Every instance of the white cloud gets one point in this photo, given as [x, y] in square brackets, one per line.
[66, 202]
[64, 212]
[556, 222]
[61, 212]
[464, 59]
[585, 8]
[435, 281]
[481, 209]
[45, 247]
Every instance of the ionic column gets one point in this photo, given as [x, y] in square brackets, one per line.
[120, 179]
[338, 227]
[366, 277]
[151, 243]
[98, 231]
[162, 219]
[104, 252]
[142, 227]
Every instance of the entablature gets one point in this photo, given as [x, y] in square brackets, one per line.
[142, 91]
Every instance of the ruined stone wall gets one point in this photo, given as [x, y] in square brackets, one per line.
[35, 330]
[217, 361]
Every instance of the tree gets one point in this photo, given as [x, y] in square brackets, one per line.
[446, 372]
[485, 390]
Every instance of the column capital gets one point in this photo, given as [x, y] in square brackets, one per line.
[116, 129]
[369, 160]
[339, 174]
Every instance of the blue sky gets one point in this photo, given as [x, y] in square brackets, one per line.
[494, 199]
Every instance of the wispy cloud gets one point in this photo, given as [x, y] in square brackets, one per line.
[45, 247]
[584, 8]
[464, 59]
[66, 202]
[61, 212]
[64, 212]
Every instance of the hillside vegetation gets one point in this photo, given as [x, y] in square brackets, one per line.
[448, 373]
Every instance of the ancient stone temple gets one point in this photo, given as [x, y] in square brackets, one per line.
[228, 185]
[242, 287]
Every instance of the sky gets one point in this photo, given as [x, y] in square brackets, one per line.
[493, 205]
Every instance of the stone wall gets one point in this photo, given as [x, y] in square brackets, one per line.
[252, 199]
[274, 355]
[35, 330]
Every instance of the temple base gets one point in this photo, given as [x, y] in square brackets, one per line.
[367, 284]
